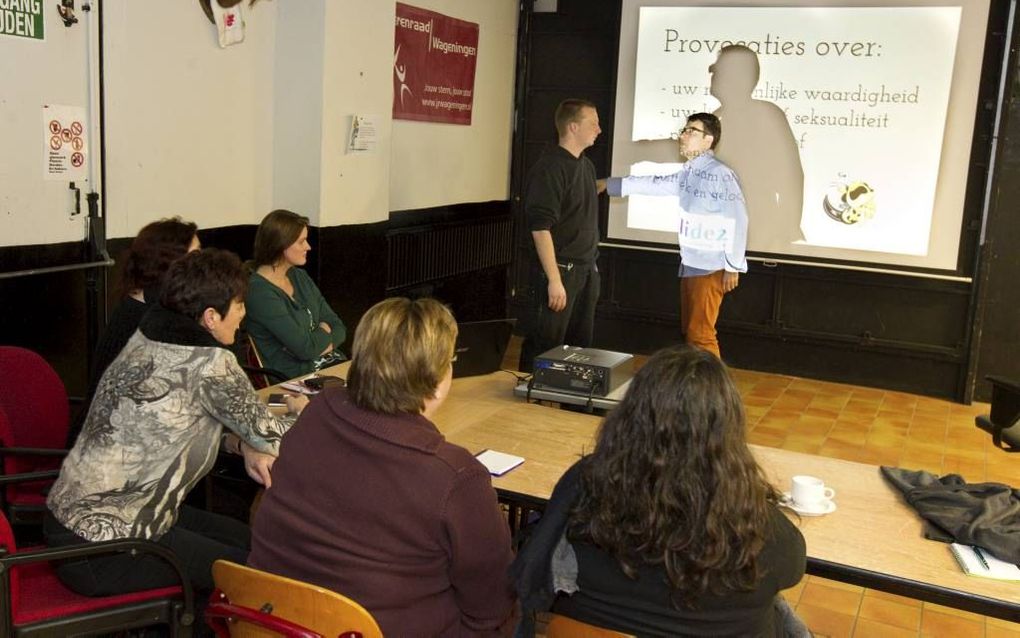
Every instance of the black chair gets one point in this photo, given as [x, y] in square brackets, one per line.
[1003, 422]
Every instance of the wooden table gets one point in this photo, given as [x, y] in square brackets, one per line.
[873, 539]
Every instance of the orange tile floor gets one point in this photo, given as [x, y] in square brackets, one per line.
[879, 427]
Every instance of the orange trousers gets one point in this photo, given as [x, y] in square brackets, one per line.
[700, 299]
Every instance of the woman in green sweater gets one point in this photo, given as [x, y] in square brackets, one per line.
[294, 330]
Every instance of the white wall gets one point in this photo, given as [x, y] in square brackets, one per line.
[189, 126]
[297, 114]
[358, 81]
[416, 164]
[53, 71]
[222, 136]
[464, 163]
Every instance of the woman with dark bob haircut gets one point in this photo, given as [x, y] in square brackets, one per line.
[402, 521]
[154, 430]
[669, 526]
[152, 251]
[294, 329]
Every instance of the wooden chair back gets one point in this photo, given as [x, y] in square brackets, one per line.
[314, 609]
[563, 627]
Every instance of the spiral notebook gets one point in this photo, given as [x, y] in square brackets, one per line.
[498, 463]
[978, 562]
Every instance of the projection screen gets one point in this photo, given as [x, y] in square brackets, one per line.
[849, 127]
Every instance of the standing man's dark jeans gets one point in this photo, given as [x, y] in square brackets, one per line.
[572, 326]
[199, 539]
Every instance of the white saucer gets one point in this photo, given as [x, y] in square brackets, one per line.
[787, 501]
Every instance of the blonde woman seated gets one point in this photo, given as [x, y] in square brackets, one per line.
[153, 431]
[669, 527]
[294, 329]
[370, 501]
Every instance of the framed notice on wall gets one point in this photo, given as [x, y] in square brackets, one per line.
[434, 60]
[65, 142]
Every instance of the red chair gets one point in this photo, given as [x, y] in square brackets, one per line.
[34, 603]
[34, 420]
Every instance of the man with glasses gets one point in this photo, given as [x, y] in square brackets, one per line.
[713, 226]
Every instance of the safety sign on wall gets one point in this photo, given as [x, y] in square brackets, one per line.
[66, 145]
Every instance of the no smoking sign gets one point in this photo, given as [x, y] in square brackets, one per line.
[66, 144]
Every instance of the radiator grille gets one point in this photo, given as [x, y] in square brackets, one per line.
[423, 254]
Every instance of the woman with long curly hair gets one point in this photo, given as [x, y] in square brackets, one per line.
[669, 527]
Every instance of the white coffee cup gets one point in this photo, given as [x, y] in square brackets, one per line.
[810, 493]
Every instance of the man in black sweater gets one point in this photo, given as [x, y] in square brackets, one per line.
[561, 204]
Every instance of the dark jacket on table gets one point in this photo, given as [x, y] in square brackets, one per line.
[380, 508]
[982, 514]
[606, 597]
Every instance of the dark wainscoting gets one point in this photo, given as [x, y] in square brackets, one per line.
[997, 329]
[47, 313]
[865, 328]
[458, 254]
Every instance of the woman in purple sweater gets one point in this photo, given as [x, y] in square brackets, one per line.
[371, 501]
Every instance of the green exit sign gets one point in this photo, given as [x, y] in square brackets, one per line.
[21, 19]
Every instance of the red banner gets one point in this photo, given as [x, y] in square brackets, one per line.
[433, 66]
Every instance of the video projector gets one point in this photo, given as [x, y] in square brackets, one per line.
[585, 371]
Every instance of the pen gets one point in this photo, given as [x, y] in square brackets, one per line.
[981, 557]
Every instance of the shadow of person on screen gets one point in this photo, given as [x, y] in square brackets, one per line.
[760, 147]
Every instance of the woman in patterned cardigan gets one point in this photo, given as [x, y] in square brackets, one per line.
[166, 405]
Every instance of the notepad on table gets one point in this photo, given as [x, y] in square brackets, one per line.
[979, 562]
[498, 463]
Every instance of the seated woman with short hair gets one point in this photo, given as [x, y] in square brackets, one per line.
[370, 501]
[154, 430]
[293, 327]
[669, 526]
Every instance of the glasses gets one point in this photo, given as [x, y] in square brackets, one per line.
[690, 129]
